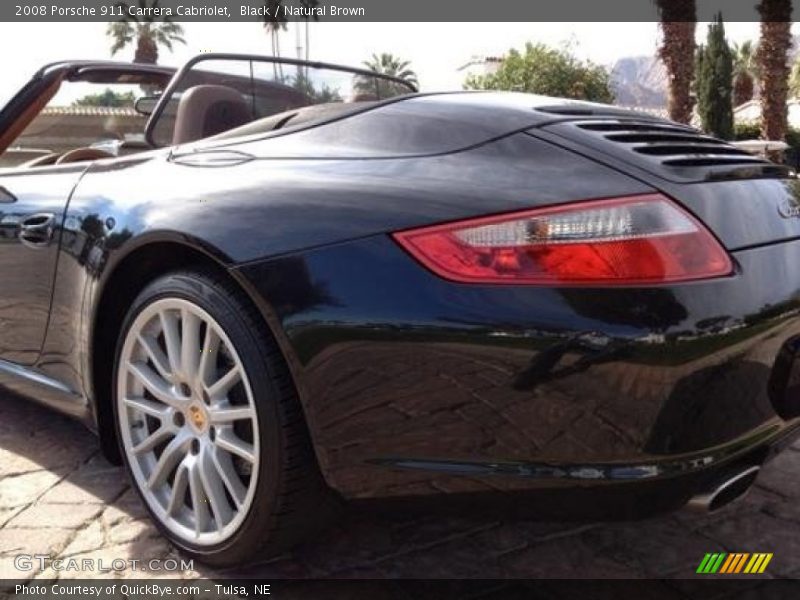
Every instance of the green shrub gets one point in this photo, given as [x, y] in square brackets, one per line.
[752, 131]
[747, 131]
[540, 69]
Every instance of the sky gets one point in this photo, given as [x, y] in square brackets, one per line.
[436, 50]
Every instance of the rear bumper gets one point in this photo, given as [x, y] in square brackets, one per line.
[612, 494]
[415, 387]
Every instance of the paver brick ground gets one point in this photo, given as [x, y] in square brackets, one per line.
[72, 503]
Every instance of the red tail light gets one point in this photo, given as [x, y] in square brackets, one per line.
[621, 241]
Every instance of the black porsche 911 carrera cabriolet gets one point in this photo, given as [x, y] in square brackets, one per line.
[271, 284]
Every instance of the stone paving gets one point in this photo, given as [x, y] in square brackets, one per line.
[58, 496]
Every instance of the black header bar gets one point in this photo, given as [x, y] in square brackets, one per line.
[368, 10]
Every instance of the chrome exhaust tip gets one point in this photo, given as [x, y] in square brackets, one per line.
[725, 492]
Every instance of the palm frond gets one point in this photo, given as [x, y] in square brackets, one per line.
[121, 33]
[275, 20]
[126, 16]
[130, 28]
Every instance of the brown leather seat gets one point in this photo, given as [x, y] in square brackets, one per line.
[206, 110]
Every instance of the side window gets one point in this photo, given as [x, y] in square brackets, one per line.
[83, 115]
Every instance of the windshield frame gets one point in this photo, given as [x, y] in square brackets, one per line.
[208, 56]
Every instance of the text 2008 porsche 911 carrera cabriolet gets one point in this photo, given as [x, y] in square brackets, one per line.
[274, 284]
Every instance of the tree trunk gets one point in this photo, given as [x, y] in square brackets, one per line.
[772, 57]
[678, 20]
[743, 89]
[146, 51]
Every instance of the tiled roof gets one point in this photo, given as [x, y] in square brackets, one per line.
[91, 111]
[482, 60]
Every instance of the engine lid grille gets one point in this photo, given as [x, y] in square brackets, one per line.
[670, 150]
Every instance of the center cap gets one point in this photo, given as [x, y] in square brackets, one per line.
[197, 417]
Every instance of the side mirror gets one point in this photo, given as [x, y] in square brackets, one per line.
[146, 105]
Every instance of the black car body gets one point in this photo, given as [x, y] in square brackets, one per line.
[612, 401]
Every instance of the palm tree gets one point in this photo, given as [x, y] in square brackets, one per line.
[385, 64]
[388, 64]
[677, 50]
[148, 33]
[274, 22]
[745, 72]
[771, 57]
[309, 4]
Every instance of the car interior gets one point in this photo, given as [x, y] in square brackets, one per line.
[61, 128]
[56, 128]
[207, 104]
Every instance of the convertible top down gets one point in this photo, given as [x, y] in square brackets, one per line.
[270, 285]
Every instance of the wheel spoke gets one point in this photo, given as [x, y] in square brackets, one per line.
[178, 492]
[148, 407]
[172, 340]
[156, 355]
[212, 484]
[208, 357]
[160, 435]
[229, 413]
[199, 500]
[230, 442]
[221, 388]
[224, 465]
[172, 454]
[152, 383]
[190, 344]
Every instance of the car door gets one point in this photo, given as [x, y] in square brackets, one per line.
[32, 205]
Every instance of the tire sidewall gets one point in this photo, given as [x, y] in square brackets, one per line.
[226, 311]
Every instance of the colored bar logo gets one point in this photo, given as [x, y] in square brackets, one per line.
[737, 562]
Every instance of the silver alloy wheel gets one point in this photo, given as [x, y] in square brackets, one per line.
[188, 421]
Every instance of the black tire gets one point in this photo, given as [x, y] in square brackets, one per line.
[291, 500]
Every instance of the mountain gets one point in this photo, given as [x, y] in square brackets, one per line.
[640, 81]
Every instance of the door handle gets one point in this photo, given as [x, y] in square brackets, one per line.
[36, 231]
